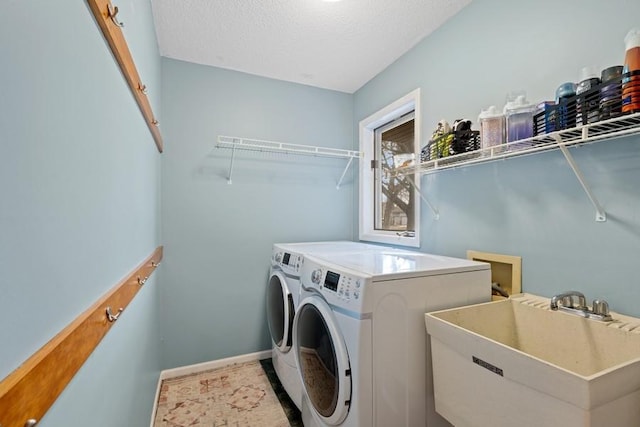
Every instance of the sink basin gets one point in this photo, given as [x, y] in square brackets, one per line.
[517, 363]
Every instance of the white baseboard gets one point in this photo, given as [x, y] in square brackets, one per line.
[155, 402]
[205, 366]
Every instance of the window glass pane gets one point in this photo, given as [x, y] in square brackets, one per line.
[395, 198]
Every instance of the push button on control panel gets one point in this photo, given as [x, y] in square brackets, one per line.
[316, 276]
[347, 288]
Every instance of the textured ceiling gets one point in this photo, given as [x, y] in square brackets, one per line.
[333, 45]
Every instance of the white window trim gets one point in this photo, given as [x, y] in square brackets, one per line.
[409, 102]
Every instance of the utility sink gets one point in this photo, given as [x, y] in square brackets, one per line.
[517, 363]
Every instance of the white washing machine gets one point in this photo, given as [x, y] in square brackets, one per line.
[283, 290]
[359, 337]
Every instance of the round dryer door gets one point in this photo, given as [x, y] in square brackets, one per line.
[321, 357]
[280, 311]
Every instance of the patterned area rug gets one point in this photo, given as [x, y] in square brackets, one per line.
[290, 408]
[321, 381]
[236, 395]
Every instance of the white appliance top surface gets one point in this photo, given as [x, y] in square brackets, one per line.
[386, 264]
[310, 248]
[292, 264]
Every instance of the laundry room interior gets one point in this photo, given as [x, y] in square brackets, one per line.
[174, 187]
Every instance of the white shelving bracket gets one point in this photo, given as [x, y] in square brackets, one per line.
[601, 215]
[344, 172]
[436, 213]
[233, 153]
[236, 143]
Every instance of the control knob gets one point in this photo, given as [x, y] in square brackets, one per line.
[278, 257]
[316, 276]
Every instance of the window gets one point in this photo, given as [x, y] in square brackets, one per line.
[389, 204]
[394, 145]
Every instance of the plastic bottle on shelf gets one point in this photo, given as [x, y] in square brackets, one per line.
[519, 120]
[492, 125]
[611, 92]
[587, 105]
[544, 120]
[565, 98]
[631, 73]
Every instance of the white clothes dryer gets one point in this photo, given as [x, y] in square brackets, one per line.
[360, 341]
[283, 290]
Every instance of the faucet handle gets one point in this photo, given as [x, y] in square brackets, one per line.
[600, 307]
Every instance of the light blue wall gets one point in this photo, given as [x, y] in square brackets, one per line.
[79, 183]
[218, 237]
[79, 180]
[531, 206]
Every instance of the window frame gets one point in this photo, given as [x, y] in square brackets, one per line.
[367, 193]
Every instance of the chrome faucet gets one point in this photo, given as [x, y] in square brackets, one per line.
[567, 298]
[566, 301]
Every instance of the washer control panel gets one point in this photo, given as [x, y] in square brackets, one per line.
[336, 285]
[345, 286]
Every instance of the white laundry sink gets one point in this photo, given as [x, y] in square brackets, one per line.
[517, 363]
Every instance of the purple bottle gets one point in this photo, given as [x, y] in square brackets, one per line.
[519, 121]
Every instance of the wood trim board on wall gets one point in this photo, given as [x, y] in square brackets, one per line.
[29, 391]
[106, 16]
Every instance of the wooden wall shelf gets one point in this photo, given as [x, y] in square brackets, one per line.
[29, 391]
[107, 18]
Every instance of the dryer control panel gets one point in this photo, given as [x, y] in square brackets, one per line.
[289, 262]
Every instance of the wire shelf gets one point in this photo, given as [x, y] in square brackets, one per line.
[607, 129]
[260, 145]
[589, 133]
